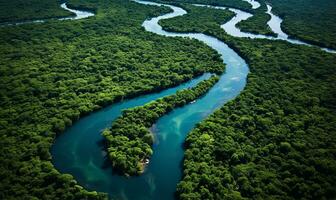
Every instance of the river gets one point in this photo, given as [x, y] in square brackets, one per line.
[79, 151]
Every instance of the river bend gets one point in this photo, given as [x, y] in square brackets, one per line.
[79, 151]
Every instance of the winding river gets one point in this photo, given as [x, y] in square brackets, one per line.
[274, 23]
[79, 151]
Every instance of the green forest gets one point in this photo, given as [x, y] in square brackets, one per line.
[22, 10]
[276, 140]
[258, 22]
[202, 14]
[243, 5]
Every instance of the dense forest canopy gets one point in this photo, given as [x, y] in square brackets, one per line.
[21, 10]
[207, 18]
[276, 140]
[230, 3]
[258, 22]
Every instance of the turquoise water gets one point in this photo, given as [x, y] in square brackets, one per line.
[79, 150]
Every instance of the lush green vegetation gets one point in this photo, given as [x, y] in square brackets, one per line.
[258, 22]
[277, 139]
[55, 72]
[230, 3]
[21, 10]
[129, 140]
[207, 18]
[313, 21]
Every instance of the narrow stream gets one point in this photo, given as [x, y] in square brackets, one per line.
[254, 4]
[274, 23]
[79, 14]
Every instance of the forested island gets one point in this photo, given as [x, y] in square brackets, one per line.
[276, 140]
[129, 140]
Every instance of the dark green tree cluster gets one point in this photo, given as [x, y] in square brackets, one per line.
[309, 20]
[129, 140]
[23, 10]
[209, 21]
[53, 73]
[277, 139]
[258, 22]
[207, 18]
[243, 5]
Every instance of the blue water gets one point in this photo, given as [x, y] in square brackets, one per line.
[79, 150]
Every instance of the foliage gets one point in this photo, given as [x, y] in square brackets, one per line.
[277, 139]
[53, 73]
[22, 10]
[207, 18]
[243, 5]
[129, 141]
[258, 22]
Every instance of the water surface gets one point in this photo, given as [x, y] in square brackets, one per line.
[254, 4]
